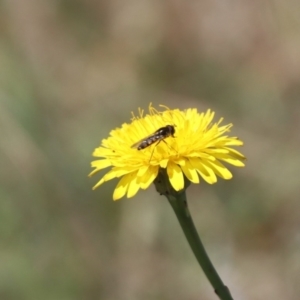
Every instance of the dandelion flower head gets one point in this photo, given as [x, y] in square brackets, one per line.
[196, 151]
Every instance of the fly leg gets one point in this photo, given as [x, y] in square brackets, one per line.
[154, 149]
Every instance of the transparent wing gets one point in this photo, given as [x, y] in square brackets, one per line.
[150, 136]
[137, 144]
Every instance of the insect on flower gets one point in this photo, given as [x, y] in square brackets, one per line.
[158, 136]
[199, 150]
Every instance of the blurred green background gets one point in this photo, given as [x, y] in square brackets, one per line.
[72, 70]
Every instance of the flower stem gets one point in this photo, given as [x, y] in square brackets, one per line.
[178, 201]
[179, 204]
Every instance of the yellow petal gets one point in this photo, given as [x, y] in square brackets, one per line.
[189, 171]
[101, 163]
[212, 151]
[219, 169]
[175, 176]
[142, 170]
[235, 153]
[98, 184]
[102, 152]
[113, 173]
[202, 155]
[163, 163]
[233, 142]
[121, 187]
[206, 173]
[133, 185]
[230, 160]
[145, 180]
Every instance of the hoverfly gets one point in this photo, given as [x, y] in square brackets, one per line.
[158, 136]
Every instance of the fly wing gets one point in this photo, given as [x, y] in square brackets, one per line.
[137, 144]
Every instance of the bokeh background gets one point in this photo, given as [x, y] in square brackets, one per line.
[72, 70]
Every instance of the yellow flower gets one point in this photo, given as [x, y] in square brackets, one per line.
[196, 150]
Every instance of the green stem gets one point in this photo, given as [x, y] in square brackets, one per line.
[179, 204]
